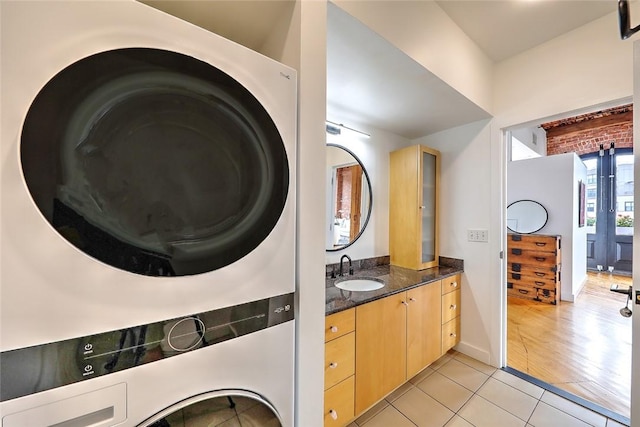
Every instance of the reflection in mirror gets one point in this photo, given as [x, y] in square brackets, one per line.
[349, 198]
[526, 216]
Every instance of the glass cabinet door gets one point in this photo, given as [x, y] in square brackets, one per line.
[428, 207]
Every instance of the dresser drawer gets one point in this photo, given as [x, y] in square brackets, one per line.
[545, 295]
[339, 403]
[533, 273]
[339, 324]
[534, 242]
[521, 291]
[450, 334]
[537, 258]
[450, 306]
[522, 280]
[450, 284]
[339, 359]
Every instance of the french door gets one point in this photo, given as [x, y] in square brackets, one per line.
[609, 209]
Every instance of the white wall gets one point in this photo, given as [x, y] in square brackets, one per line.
[423, 31]
[533, 137]
[465, 204]
[300, 42]
[553, 182]
[373, 152]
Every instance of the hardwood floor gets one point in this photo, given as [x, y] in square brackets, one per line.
[583, 347]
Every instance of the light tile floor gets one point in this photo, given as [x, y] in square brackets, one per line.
[458, 391]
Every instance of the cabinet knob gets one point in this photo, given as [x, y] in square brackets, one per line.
[333, 414]
[454, 284]
[405, 303]
[453, 307]
[334, 329]
[423, 207]
[412, 299]
[452, 335]
[333, 365]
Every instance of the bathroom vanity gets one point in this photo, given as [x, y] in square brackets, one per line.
[377, 340]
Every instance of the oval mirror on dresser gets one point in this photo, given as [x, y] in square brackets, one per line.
[526, 216]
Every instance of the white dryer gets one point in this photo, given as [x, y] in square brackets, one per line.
[148, 220]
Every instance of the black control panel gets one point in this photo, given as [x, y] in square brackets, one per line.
[33, 369]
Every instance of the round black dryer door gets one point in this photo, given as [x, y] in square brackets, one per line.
[221, 408]
[154, 162]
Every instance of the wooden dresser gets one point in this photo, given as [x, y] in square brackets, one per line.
[533, 267]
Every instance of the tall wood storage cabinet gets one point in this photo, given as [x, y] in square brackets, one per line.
[533, 267]
[413, 207]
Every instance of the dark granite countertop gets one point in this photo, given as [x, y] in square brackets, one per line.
[396, 279]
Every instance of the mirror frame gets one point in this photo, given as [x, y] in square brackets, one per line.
[546, 219]
[366, 221]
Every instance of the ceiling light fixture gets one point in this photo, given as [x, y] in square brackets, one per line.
[336, 128]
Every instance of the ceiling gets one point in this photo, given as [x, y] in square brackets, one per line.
[372, 83]
[504, 28]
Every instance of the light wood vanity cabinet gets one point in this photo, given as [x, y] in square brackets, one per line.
[423, 327]
[381, 349]
[339, 369]
[450, 312]
[372, 349]
[396, 337]
[413, 207]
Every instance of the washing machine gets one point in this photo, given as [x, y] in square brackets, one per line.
[147, 223]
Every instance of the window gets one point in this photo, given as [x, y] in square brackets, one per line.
[591, 207]
[628, 206]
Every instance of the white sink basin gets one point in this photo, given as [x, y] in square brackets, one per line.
[360, 284]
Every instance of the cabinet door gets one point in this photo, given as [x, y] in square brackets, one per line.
[413, 207]
[429, 208]
[338, 404]
[423, 327]
[381, 345]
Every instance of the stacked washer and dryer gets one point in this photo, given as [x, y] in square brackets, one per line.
[148, 222]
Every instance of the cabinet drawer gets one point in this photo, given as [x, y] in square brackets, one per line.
[450, 306]
[518, 279]
[532, 273]
[545, 295]
[450, 334]
[339, 324]
[537, 258]
[521, 291]
[534, 242]
[339, 359]
[339, 404]
[450, 284]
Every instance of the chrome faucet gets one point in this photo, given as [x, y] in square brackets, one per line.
[350, 265]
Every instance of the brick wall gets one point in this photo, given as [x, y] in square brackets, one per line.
[585, 141]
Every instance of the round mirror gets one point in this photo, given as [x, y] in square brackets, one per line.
[349, 198]
[526, 216]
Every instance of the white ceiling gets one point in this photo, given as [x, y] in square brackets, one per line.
[504, 28]
[369, 81]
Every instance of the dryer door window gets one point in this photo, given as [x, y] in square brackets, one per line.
[223, 408]
[154, 162]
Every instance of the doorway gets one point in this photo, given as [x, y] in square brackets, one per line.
[608, 221]
[609, 209]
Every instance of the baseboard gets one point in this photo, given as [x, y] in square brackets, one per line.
[474, 352]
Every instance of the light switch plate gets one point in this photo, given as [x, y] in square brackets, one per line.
[478, 235]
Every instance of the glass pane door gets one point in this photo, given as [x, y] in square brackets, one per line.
[609, 210]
